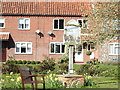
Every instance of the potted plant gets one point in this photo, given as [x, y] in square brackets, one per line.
[88, 52]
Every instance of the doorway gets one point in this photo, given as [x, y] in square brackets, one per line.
[78, 53]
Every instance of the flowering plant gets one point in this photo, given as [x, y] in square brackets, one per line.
[52, 80]
[10, 81]
[88, 80]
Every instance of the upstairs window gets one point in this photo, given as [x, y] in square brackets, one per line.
[2, 23]
[58, 24]
[24, 23]
[83, 23]
[114, 49]
[23, 48]
[57, 48]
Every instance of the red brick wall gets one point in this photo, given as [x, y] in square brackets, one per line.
[40, 46]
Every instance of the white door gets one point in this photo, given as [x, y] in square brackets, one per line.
[78, 53]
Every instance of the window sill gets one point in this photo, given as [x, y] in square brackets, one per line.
[23, 29]
[2, 27]
[113, 55]
[23, 53]
[58, 29]
[55, 53]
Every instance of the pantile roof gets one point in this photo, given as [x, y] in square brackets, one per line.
[4, 36]
[46, 8]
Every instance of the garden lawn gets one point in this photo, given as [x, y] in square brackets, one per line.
[106, 82]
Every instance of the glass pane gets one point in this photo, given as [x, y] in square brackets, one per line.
[52, 48]
[29, 47]
[80, 22]
[116, 51]
[61, 24]
[1, 20]
[117, 45]
[21, 21]
[26, 21]
[26, 25]
[85, 23]
[89, 47]
[55, 24]
[1, 24]
[111, 48]
[63, 48]
[57, 48]
[23, 50]
[21, 26]
[17, 49]
[17, 44]
[23, 45]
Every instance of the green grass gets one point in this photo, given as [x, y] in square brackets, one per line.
[106, 82]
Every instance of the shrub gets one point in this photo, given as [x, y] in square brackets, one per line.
[63, 59]
[98, 70]
[24, 62]
[111, 63]
[63, 64]
[9, 67]
[87, 68]
[28, 62]
[88, 52]
[45, 65]
[94, 62]
[53, 81]
[10, 81]
[88, 80]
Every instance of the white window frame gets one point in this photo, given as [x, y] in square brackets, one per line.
[24, 24]
[25, 46]
[82, 23]
[3, 22]
[61, 43]
[112, 51]
[58, 24]
[114, 26]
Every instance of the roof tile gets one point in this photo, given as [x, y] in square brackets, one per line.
[46, 8]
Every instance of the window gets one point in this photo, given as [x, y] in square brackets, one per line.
[23, 48]
[116, 24]
[2, 23]
[57, 48]
[83, 23]
[58, 24]
[24, 23]
[114, 49]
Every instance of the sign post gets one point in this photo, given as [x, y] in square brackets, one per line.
[70, 71]
[71, 35]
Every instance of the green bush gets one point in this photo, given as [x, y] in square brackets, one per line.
[88, 68]
[10, 81]
[45, 65]
[111, 63]
[22, 62]
[94, 62]
[98, 70]
[9, 67]
[88, 52]
[63, 64]
[63, 59]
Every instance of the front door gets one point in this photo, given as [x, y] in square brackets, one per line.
[3, 52]
[78, 53]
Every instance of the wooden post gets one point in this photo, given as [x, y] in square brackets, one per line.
[70, 71]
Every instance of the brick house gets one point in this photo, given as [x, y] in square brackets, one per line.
[30, 30]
